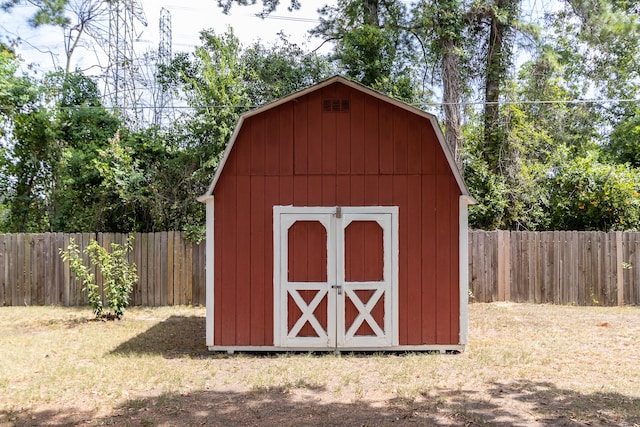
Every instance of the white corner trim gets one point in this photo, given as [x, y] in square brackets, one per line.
[277, 335]
[464, 268]
[469, 199]
[204, 199]
[395, 274]
[209, 266]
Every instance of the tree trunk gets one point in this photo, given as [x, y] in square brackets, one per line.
[451, 99]
[371, 10]
[495, 74]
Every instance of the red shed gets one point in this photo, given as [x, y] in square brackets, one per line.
[337, 220]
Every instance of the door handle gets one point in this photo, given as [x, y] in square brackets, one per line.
[338, 287]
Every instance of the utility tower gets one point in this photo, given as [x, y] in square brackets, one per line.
[122, 75]
[163, 111]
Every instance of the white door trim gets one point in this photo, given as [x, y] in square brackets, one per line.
[336, 336]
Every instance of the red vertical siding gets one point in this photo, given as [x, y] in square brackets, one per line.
[429, 155]
[300, 190]
[258, 145]
[385, 142]
[429, 251]
[400, 197]
[272, 198]
[357, 131]
[413, 259]
[315, 184]
[241, 158]
[328, 191]
[356, 197]
[314, 134]
[285, 139]
[243, 261]
[399, 142]
[373, 154]
[307, 252]
[300, 143]
[371, 190]
[276, 143]
[258, 279]
[443, 270]
[371, 136]
[228, 240]
[414, 150]
[329, 142]
[343, 193]
[344, 122]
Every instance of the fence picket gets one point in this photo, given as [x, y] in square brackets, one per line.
[142, 277]
[3, 271]
[164, 271]
[39, 269]
[170, 267]
[189, 274]
[157, 270]
[558, 267]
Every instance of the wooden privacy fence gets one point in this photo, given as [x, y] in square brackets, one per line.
[560, 267]
[170, 269]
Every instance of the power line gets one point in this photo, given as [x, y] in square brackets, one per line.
[547, 102]
[434, 104]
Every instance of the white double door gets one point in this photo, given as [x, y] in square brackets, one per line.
[335, 277]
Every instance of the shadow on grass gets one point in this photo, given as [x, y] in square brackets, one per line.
[184, 336]
[516, 403]
[524, 402]
[48, 417]
[178, 336]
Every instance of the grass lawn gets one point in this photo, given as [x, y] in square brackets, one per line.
[526, 365]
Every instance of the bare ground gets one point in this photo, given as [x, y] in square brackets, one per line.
[526, 365]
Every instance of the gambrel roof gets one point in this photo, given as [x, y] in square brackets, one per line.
[357, 86]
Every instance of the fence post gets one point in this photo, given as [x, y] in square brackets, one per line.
[619, 269]
[504, 266]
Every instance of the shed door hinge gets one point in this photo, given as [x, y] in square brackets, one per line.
[338, 212]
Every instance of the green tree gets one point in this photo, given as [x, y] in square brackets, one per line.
[50, 181]
[372, 45]
[81, 126]
[26, 147]
[588, 194]
[624, 144]
[277, 70]
[118, 275]
[219, 81]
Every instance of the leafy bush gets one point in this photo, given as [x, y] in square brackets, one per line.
[587, 194]
[118, 275]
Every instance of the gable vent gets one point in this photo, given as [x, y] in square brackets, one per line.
[335, 105]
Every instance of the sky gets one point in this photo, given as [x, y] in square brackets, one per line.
[44, 46]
